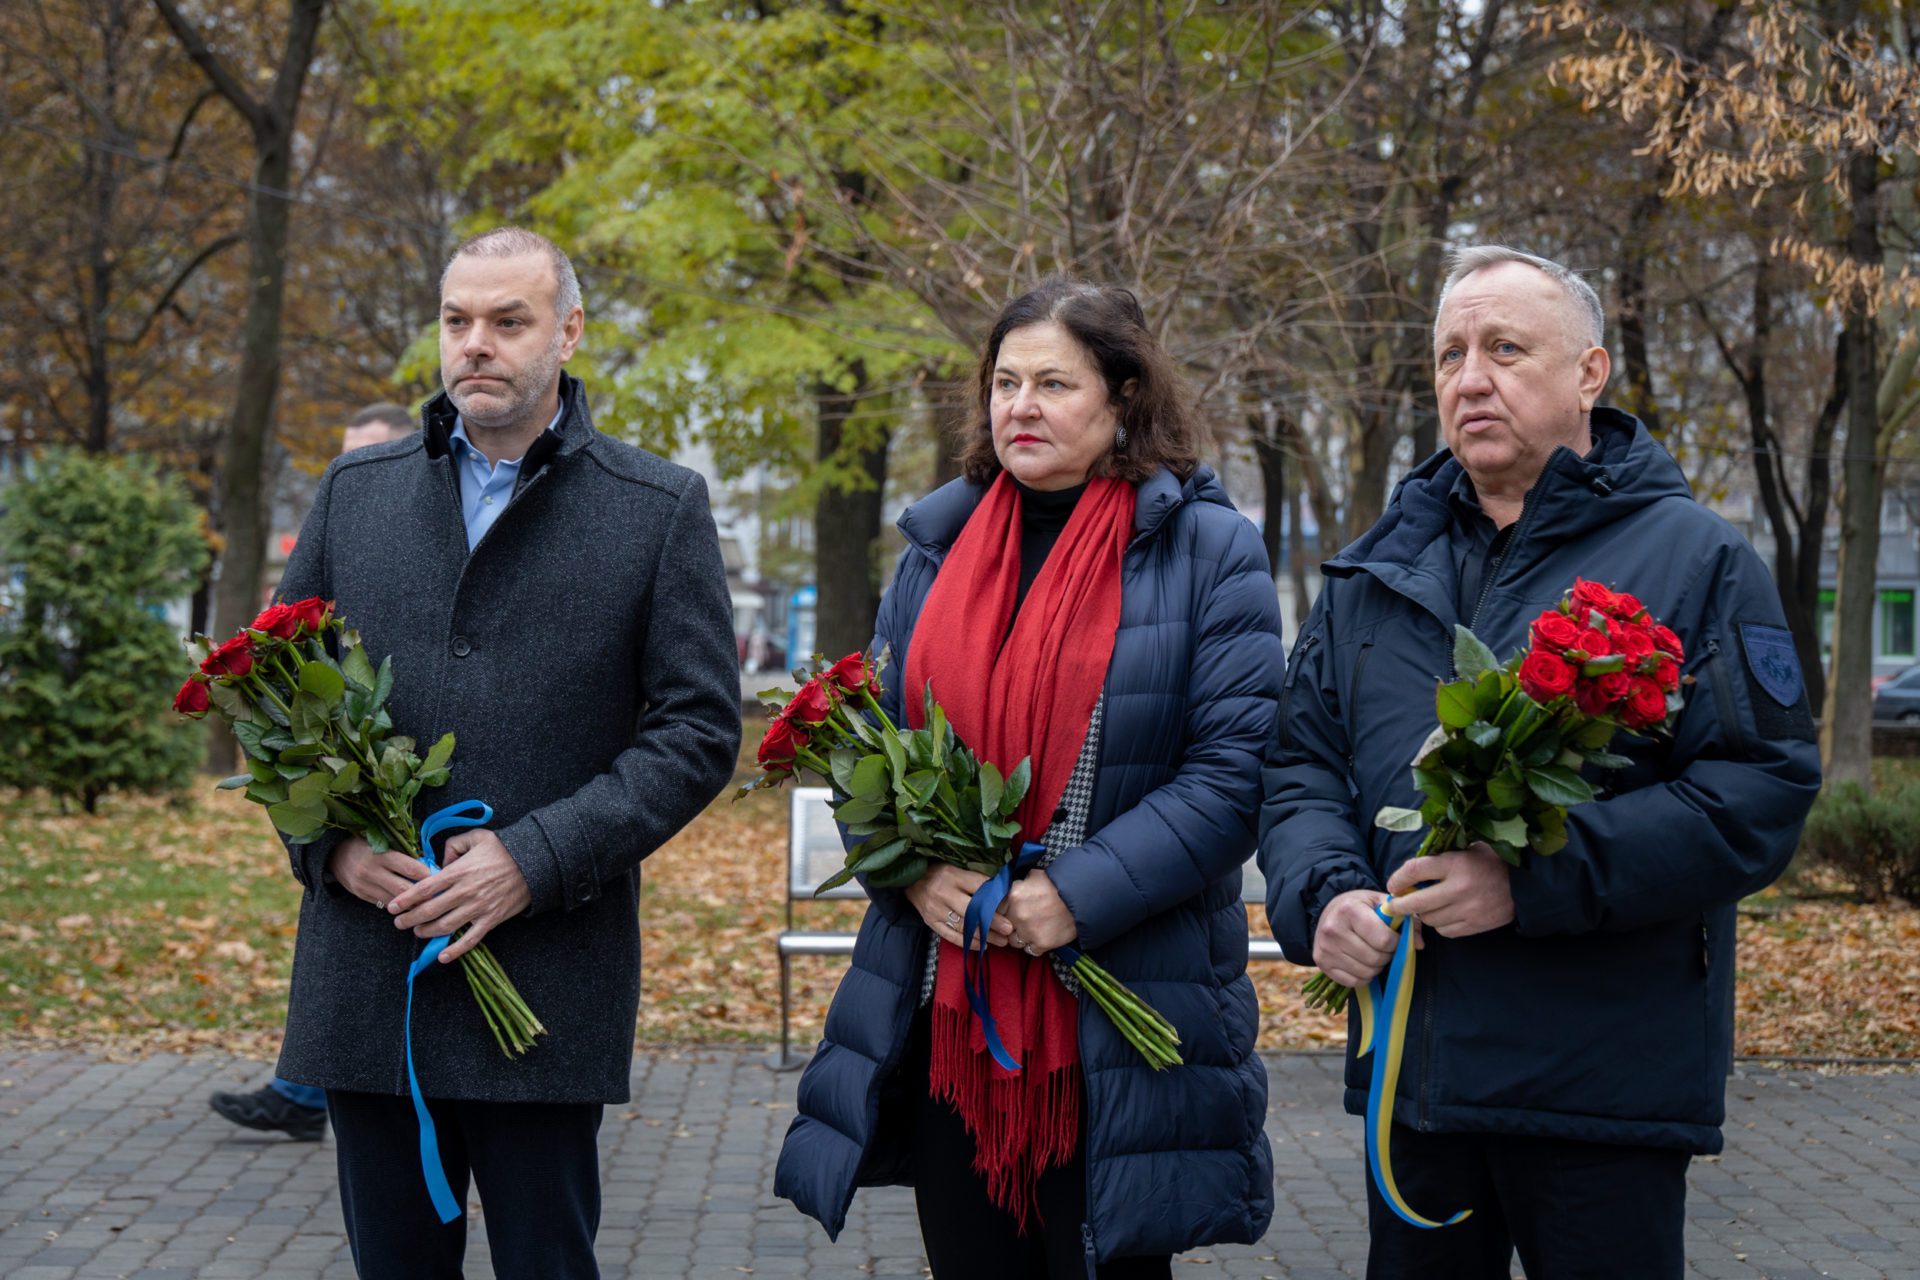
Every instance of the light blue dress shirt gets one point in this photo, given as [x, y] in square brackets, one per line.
[485, 487]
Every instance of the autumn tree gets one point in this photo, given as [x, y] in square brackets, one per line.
[1826, 91]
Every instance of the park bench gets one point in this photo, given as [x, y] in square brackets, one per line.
[814, 853]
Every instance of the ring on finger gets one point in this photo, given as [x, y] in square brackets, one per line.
[1028, 948]
[953, 920]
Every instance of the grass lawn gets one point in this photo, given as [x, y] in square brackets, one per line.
[169, 925]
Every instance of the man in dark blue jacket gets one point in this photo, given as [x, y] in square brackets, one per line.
[1572, 1021]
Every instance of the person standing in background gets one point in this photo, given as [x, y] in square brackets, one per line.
[297, 1110]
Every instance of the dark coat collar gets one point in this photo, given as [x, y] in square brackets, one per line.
[573, 432]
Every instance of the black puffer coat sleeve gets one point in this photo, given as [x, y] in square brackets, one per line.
[1723, 817]
[1312, 847]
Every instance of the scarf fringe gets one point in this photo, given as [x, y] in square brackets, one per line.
[1020, 1129]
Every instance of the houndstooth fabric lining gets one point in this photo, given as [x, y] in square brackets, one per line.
[1069, 828]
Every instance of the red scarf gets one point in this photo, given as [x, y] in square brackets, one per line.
[1028, 692]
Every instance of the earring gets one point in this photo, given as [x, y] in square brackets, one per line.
[1119, 438]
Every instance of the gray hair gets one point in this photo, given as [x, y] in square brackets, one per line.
[513, 242]
[1463, 262]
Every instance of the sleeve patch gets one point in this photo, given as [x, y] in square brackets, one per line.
[1772, 662]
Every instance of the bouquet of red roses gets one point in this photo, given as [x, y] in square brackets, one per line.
[321, 752]
[1502, 766]
[916, 797]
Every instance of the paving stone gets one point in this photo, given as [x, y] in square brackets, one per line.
[133, 1176]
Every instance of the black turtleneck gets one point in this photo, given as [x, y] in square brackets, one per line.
[1042, 516]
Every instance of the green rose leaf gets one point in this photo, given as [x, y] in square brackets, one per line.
[298, 822]
[1394, 819]
[1435, 740]
[840, 766]
[441, 753]
[228, 699]
[357, 669]
[1559, 786]
[1017, 783]
[1455, 705]
[992, 787]
[874, 856]
[1506, 791]
[234, 783]
[309, 791]
[1608, 760]
[896, 755]
[1482, 734]
[383, 682]
[323, 682]
[1552, 837]
[869, 779]
[1471, 658]
[858, 810]
[900, 874]
[347, 779]
[438, 778]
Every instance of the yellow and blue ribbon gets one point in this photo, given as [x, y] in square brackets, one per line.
[1391, 999]
[980, 910]
[468, 813]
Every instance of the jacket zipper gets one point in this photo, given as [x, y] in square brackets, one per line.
[1300, 653]
[1086, 1243]
[1353, 696]
[1723, 702]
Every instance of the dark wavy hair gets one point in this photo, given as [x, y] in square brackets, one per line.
[1157, 413]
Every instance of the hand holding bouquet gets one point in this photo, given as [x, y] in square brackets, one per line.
[321, 752]
[1502, 766]
[920, 796]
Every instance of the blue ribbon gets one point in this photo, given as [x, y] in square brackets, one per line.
[467, 813]
[981, 907]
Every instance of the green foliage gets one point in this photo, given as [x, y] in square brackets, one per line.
[92, 549]
[1871, 838]
[1499, 767]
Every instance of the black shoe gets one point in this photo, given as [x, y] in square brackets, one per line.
[267, 1109]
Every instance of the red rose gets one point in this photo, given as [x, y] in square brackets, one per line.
[1614, 686]
[192, 699]
[812, 705]
[277, 620]
[1666, 674]
[1666, 642]
[1591, 595]
[1545, 676]
[1555, 630]
[782, 743]
[1626, 607]
[234, 658]
[313, 614]
[1594, 643]
[850, 673]
[1591, 698]
[1647, 705]
[1635, 643]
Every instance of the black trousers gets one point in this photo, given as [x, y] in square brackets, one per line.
[537, 1166]
[1574, 1210]
[968, 1236]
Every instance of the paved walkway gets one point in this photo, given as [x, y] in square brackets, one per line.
[119, 1170]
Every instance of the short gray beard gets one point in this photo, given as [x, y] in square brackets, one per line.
[529, 386]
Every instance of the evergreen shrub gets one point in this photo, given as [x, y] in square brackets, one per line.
[92, 549]
[1872, 840]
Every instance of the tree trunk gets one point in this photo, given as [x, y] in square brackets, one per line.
[1846, 733]
[1272, 457]
[1633, 311]
[846, 521]
[1297, 554]
[244, 503]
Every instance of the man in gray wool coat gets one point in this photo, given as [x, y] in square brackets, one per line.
[555, 599]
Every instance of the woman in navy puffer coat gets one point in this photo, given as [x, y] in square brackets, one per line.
[1172, 1159]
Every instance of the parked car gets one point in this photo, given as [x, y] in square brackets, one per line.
[1899, 698]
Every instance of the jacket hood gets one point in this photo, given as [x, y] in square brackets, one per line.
[932, 524]
[573, 431]
[1627, 471]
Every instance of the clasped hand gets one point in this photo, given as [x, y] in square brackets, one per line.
[1467, 892]
[1031, 917]
[478, 887]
